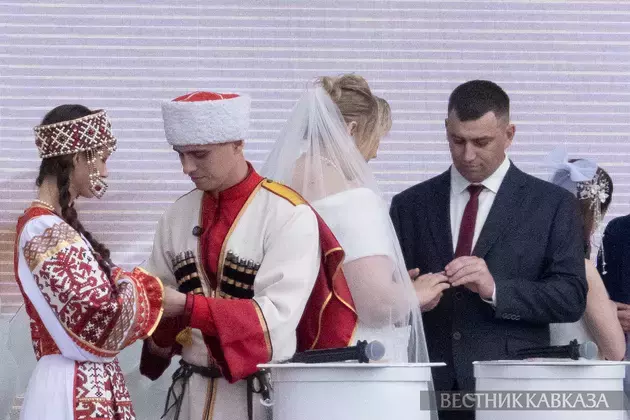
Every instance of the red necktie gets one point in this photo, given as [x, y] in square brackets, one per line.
[467, 227]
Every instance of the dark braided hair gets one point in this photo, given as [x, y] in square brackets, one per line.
[61, 167]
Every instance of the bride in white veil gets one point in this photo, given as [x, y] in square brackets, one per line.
[322, 153]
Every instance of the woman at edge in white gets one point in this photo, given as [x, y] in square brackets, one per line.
[593, 187]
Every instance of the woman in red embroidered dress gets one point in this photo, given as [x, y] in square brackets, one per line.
[83, 309]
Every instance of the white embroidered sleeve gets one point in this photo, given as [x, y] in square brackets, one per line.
[90, 316]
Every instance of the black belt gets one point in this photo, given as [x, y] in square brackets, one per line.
[264, 389]
[183, 374]
[186, 370]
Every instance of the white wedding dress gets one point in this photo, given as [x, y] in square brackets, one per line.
[357, 218]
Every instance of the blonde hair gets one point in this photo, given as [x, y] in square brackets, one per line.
[384, 116]
[352, 95]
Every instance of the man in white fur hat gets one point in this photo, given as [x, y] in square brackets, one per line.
[253, 262]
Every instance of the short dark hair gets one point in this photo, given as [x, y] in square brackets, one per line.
[475, 98]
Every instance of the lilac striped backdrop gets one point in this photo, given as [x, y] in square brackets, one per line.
[565, 64]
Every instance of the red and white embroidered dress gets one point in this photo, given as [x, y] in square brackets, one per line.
[80, 319]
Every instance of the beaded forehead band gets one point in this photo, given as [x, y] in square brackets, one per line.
[91, 132]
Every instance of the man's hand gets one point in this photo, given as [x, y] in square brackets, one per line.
[429, 288]
[174, 302]
[472, 273]
[623, 313]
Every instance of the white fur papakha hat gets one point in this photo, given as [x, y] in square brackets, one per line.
[206, 118]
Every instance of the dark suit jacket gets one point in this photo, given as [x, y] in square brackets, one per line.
[532, 244]
[617, 255]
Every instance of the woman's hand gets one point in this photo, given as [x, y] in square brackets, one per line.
[429, 288]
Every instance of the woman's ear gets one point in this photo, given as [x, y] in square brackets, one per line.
[351, 128]
[79, 157]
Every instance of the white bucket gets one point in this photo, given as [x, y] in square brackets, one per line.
[550, 389]
[345, 391]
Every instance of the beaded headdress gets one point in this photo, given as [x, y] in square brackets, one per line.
[91, 134]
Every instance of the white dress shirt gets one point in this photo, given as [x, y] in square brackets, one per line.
[460, 197]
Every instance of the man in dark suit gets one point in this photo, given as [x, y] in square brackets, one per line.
[509, 244]
[614, 266]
